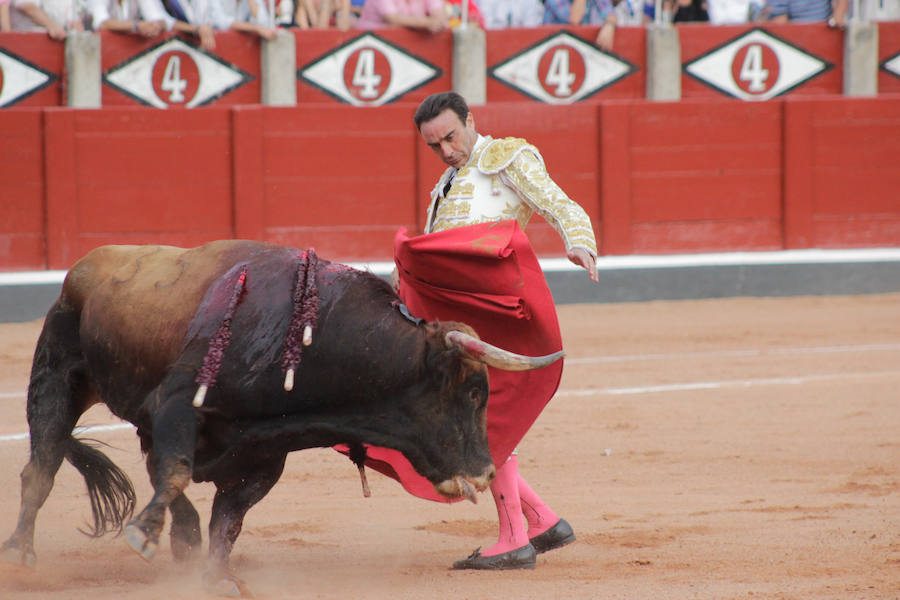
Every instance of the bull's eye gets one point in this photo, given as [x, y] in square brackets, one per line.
[476, 397]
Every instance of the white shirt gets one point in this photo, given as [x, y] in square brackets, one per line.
[207, 12]
[879, 10]
[728, 12]
[61, 12]
[499, 14]
[128, 10]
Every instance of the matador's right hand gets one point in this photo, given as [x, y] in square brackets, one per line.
[585, 259]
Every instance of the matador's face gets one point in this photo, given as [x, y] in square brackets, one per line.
[451, 139]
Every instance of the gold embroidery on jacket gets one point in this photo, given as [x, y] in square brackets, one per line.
[498, 154]
[528, 175]
[517, 165]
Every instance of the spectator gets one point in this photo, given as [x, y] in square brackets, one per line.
[202, 17]
[145, 18]
[322, 14]
[880, 10]
[4, 16]
[499, 14]
[782, 11]
[284, 13]
[869, 10]
[728, 12]
[252, 11]
[634, 12]
[56, 17]
[427, 15]
[584, 12]
[690, 10]
[454, 13]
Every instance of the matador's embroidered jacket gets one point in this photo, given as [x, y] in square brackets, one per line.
[506, 179]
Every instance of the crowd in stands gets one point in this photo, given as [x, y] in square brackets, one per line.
[150, 18]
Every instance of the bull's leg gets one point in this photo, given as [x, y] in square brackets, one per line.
[233, 500]
[174, 432]
[184, 534]
[53, 411]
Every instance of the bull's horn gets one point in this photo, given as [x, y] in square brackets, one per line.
[498, 357]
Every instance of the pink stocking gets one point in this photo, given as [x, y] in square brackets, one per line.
[509, 510]
[540, 516]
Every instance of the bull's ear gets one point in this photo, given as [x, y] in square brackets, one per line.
[497, 357]
[478, 397]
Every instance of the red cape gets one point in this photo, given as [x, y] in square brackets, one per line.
[488, 277]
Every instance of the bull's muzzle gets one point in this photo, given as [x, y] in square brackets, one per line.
[497, 357]
[466, 487]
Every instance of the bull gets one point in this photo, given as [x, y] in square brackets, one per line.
[227, 357]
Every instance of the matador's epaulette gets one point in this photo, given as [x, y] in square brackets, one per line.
[498, 154]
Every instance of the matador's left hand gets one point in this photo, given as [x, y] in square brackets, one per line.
[583, 258]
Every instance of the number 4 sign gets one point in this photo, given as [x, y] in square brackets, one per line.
[172, 84]
[175, 74]
[559, 78]
[755, 66]
[368, 71]
[561, 69]
[752, 76]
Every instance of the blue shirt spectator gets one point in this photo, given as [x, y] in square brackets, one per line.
[576, 12]
[510, 13]
[799, 10]
[584, 12]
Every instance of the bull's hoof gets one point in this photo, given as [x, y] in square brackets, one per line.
[15, 556]
[140, 542]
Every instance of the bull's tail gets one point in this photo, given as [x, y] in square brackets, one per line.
[110, 490]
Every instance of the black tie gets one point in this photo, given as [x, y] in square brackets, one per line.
[449, 184]
[437, 201]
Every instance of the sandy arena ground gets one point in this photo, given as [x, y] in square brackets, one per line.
[715, 449]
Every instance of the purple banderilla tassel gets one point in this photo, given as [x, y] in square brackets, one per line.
[212, 362]
[304, 317]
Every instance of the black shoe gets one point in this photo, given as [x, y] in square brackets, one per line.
[556, 537]
[520, 558]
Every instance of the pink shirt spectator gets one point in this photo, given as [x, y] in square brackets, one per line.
[4, 16]
[373, 11]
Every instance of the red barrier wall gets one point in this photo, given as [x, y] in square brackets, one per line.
[842, 177]
[341, 180]
[131, 176]
[690, 176]
[21, 189]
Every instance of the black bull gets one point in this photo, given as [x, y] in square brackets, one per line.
[138, 327]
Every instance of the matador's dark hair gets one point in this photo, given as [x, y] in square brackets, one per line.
[435, 104]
